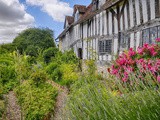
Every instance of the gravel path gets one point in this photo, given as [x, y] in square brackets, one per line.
[13, 111]
[60, 101]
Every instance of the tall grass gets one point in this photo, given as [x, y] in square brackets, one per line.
[92, 99]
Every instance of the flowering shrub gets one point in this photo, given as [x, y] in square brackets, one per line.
[146, 60]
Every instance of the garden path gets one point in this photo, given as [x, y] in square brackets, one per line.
[13, 111]
[60, 101]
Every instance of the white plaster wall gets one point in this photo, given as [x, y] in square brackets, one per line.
[115, 26]
[125, 18]
[144, 7]
[105, 23]
[101, 17]
[84, 49]
[138, 40]
[115, 44]
[132, 40]
[110, 23]
[152, 6]
[131, 13]
[137, 11]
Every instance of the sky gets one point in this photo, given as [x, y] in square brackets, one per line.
[18, 15]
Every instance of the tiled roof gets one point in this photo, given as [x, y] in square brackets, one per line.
[80, 8]
[70, 19]
[90, 14]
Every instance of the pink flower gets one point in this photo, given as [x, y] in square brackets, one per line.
[145, 46]
[131, 52]
[158, 78]
[140, 50]
[158, 40]
[121, 61]
[124, 79]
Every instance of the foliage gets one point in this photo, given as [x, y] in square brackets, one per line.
[69, 74]
[36, 102]
[91, 67]
[39, 38]
[54, 71]
[63, 68]
[91, 99]
[146, 59]
[7, 73]
[49, 53]
[2, 108]
[32, 51]
[69, 57]
[38, 76]
[6, 48]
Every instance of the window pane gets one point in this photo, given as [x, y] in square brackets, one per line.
[101, 46]
[108, 46]
[153, 35]
[145, 36]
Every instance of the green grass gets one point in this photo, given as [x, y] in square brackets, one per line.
[91, 99]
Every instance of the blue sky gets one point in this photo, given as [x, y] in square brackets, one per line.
[18, 15]
[42, 19]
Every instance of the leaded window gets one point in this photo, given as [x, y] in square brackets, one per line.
[149, 35]
[105, 47]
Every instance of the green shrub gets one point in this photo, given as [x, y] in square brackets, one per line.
[54, 71]
[69, 74]
[36, 102]
[32, 51]
[69, 57]
[2, 108]
[8, 78]
[49, 53]
[38, 76]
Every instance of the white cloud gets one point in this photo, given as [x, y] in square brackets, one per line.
[55, 8]
[13, 19]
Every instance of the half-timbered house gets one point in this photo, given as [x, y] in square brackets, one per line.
[107, 27]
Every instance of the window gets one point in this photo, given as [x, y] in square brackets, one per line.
[149, 35]
[105, 46]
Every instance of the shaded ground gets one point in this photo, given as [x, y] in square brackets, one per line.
[60, 101]
[13, 111]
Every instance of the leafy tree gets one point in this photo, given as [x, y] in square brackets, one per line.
[49, 53]
[5, 48]
[32, 51]
[41, 38]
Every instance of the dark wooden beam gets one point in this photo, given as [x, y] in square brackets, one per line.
[148, 10]
[122, 10]
[128, 14]
[141, 11]
[157, 9]
[134, 13]
[107, 20]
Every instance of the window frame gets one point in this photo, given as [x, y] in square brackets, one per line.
[102, 48]
[150, 41]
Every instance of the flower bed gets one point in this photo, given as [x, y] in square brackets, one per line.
[144, 61]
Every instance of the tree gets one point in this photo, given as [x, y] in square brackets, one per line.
[49, 53]
[39, 38]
